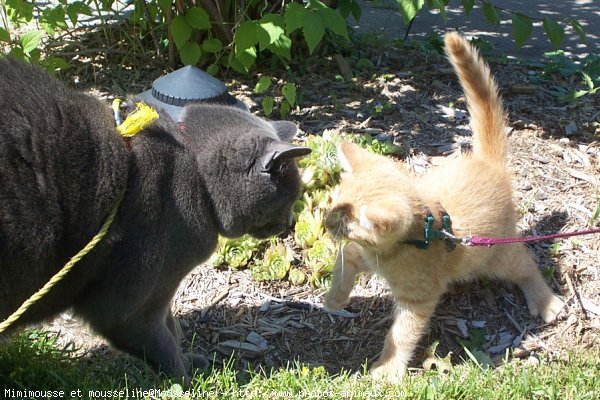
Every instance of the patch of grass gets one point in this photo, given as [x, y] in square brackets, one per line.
[555, 249]
[595, 214]
[31, 361]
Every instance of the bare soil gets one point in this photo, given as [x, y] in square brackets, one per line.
[555, 156]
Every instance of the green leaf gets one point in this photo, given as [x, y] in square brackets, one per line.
[20, 12]
[262, 85]
[17, 52]
[212, 69]
[409, 9]
[212, 45]
[75, 9]
[289, 92]
[347, 7]
[316, 5]
[30, 41]
[52, 19]
[356, 10]
[165, 4]
[571, 96]
[284, 109]
[52, 64]
[270, 29]
[468, 5]
[181, 30]
[440, 5]
[588, 80]
[578, 28]
[4, 35]
[491, 14]
[246, 36]
[313, 29]
[555, 32]
[267, 105]
[334, 21]
[197, 18]
[282, 47]
[190, 53]
[522, 28]
[294, 15]
[247, 57]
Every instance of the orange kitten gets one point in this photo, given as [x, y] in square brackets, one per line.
[380, 209]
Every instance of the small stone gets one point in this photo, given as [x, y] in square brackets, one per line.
[533, 360]
[257, 340]
[246, 350]
[570, 128]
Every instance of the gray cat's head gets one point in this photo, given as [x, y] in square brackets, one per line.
[248, 166]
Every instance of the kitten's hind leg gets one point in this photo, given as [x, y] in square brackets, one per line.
[410, 322]
[350, 262]
[516, 265]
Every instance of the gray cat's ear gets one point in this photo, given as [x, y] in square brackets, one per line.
[277, 152]
[285, 130]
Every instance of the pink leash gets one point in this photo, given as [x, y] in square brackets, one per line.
[490, 241]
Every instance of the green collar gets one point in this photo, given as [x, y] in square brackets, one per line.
[429, 233]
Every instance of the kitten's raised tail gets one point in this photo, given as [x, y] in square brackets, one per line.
[483, 101]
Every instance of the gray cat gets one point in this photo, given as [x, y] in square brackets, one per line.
[63, 166]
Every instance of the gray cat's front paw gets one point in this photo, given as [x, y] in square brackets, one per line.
[197, 362]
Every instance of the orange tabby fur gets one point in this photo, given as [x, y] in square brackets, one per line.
[379, 205]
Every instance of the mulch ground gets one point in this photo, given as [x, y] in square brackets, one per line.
[555, 156]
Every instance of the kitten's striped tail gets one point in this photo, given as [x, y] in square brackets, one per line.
[483, 101]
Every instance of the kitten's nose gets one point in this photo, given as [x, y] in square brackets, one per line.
[331, 221]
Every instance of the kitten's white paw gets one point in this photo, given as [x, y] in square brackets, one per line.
[390, 372]
[333, 303]
[552, 309]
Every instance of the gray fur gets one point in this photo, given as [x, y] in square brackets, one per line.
[62, 166]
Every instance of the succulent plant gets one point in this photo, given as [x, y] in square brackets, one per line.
[320, 258]
[297, 276]
[275, 263]
[309, 227]
[235, 252]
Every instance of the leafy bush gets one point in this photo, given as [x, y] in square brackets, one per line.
[207, 33]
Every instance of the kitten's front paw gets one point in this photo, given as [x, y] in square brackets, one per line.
[552, 309]
[388, 372]
[333, 303]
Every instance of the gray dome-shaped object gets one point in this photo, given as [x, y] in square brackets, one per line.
[173, 91]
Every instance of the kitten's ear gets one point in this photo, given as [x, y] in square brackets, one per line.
[373, 218]
[277, 151]
[285, 130]
[350, 156]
